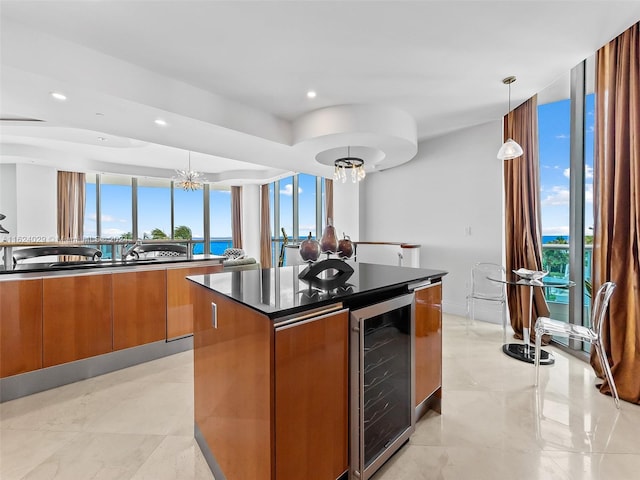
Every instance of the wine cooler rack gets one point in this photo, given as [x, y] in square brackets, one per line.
[382, 369]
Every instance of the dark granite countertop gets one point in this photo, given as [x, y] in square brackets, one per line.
[278, 292]
[84, 265]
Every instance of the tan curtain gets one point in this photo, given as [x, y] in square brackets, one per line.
[71, 200]
[236, 216]
[522, 213]
[616, 249]
[328, 203]
[265, 228]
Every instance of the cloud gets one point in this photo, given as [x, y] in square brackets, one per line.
[110, 218]
[288, 190]
[113, 232]
[559, 196]
[562, 136]
[588, 172]
[588, 193]
[106, 218]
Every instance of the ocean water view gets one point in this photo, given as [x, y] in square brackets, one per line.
[552, 238]
[218, 246]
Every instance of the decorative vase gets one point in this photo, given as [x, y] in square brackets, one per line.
[329, 240]
[345, 247]
[309, 249]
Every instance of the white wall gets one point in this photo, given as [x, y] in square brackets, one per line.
[8, 199]
[37, 201]
[449, 200]
[29, 194]
[251, 220]
[346, 208]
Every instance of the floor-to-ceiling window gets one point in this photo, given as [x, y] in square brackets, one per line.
[90, 228]
[306, 206]
[554, 136]
[220, 220]
[285, 192]
[154, 208]
[188, 215]
[131, 208]
[565, 128]
[296, 204]
[116, 211]
[589, 156]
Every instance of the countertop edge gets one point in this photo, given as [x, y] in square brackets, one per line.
[40, 270]
[354, 299]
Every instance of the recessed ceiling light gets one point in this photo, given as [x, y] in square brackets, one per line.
[58, 96]
[161, 122]
[100, 114]
[311, 94]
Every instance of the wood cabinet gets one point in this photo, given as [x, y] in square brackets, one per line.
[20, 326]
[77, 317]
[233, 387]
[271, 403]
[139, 308]
[312, 398]
[180, 299]
[428, 346]
[57, 319]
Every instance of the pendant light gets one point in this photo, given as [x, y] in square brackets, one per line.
[509, 149]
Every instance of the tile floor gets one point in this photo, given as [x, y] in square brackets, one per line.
[137, 423]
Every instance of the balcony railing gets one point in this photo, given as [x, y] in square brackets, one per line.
[555, 260]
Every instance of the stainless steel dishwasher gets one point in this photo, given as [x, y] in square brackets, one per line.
[382, 410]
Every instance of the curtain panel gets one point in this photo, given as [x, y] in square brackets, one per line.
[265, 228]
[616, 249]
[236, 217]
[328, 203]
[71, 204]
[522, 213]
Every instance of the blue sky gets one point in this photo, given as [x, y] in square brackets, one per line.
[306, 205]
[154, 204]
[154, 210]
[554, 129]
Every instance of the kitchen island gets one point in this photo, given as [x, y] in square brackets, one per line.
[282, 385]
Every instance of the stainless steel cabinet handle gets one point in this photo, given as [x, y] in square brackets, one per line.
[214, 315]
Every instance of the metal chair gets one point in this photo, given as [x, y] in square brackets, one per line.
[488, 290]
[593, 335]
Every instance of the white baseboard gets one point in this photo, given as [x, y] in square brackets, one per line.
[484, 311]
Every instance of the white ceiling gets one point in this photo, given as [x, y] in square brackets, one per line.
[230, 78]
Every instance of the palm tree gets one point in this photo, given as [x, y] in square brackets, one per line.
[158, 234]
[182, 232]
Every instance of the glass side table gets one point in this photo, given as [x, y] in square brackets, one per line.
[524, 351]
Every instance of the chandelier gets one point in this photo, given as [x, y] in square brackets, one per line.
[356, 165]
[189, 180]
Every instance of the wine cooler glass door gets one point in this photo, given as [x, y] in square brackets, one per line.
[384, 406]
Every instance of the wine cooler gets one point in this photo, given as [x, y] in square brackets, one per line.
[382, 410]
